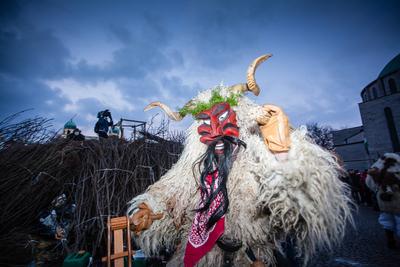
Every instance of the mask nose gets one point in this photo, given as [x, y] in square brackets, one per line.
[216, 130]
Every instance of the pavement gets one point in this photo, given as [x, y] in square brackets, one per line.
[363, 246]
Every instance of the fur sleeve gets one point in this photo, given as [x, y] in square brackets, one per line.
[305, 199]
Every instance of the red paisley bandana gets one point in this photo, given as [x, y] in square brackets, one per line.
[200, 239]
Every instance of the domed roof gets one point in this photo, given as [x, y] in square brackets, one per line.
[114, 130]
[70, 125]
[392, 66]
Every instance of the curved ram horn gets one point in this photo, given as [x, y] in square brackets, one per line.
[251, 81]
[171, 114]
[251, 84]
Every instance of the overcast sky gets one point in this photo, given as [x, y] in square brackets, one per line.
[67, 58]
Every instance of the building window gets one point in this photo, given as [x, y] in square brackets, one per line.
[374, 92]
[392, 86]
[392, 129]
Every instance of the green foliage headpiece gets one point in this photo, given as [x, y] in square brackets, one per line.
[196, 107]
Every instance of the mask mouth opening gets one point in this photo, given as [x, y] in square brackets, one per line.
[219, 147]
[220, 144]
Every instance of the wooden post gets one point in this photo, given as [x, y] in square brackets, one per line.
[118, 247]
[118, 225]
[128, 229]
[109, 241]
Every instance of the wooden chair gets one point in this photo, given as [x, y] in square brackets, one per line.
[115, 236]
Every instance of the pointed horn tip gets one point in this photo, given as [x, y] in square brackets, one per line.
[149, 106]
[251, 82]
[267, 55]
[262, 58]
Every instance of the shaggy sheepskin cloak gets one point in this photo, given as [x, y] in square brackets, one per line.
[270, 200]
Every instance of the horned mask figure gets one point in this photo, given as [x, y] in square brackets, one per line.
[245, 182]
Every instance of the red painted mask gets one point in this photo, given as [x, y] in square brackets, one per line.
[218, 121]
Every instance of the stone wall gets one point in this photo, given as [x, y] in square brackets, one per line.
[353, 156]
[375, 124]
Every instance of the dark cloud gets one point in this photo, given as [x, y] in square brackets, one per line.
[161, 49]
[32, 56]
[30, 53]
[122, 34]
[175, 85]
[9, 10]
[27, 55]
[20, 94]
[142, 53]
[26, 51]
[225, 32]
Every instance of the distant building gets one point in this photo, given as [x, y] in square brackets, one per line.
[351, 147]
[69, 128]
[380, 115]
[114, 131]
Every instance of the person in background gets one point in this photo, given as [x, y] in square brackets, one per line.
[384, 179]
[364, 190]
[354, 181]
[76, 135]
[104, 121]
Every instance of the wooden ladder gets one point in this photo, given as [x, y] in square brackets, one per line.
[115, 236]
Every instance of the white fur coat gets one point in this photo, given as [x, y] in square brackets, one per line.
[303, 197]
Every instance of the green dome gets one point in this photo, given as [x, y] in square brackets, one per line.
[392, 66]
[114, 130]
[70, 125]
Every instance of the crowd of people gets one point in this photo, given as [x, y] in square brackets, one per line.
[379, 187]
[360, 193]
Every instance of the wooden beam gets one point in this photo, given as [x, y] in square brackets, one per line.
[118, 255]
[118, 247]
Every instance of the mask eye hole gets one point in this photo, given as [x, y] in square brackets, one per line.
[207, 122]
[223, 116]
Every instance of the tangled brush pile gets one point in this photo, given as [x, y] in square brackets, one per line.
[99, 177]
